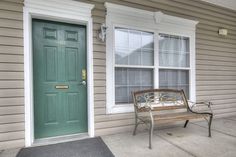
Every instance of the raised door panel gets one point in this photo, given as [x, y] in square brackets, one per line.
[50, 113]
[72, 109]
[71, 63]
[50, 58]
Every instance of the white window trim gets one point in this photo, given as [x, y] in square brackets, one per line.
[155, 22]
[56, 10]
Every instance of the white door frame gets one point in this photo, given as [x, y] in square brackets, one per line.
[68, 11]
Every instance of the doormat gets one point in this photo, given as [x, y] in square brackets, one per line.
[92, 147]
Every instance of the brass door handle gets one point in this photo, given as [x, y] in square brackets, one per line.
[61, 86]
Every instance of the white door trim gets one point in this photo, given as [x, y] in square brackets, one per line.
[68, 11]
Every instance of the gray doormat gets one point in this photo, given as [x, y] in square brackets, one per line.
[92, 147]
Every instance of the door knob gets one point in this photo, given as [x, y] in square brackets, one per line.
[83, 83]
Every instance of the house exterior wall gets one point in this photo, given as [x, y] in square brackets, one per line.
[11, 74]
[215, 58]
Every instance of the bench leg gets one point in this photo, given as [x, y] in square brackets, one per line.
[135, 126]
[150, 135]
[186, 123]
[209, 125]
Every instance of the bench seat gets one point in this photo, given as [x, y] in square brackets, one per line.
[150, 104]
[178, 116]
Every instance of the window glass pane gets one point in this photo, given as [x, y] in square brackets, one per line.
[121, 56]
[134, 39]
[133, 47]
[121, 38]
[174, 79]
[131, 79]
[173, 51]
[147, 57]
[147, 40]
[135, 57]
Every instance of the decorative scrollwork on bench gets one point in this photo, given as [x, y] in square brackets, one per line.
[158, 99]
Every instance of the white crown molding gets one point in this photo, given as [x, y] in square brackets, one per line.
[58, 6]
[164, 18]
[127, 11]
[116, 7]
[151, 18]
[158, 16]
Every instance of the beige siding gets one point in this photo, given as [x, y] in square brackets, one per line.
[216, 57]
[216, 63]
[11, 74]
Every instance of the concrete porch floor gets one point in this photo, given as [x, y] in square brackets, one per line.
[192, 141]
[174, 142]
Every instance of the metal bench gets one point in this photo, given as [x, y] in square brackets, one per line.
[150, 104]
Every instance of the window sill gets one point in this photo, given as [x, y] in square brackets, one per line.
[124, 108]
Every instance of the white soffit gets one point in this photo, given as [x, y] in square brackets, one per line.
[231, 4]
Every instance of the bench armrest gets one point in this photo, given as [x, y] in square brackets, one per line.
[206, 103]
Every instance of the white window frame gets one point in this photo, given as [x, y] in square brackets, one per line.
[153, 22]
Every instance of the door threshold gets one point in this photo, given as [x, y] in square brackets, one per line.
[59, 139]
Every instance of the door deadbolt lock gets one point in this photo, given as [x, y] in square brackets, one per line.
[84, 74]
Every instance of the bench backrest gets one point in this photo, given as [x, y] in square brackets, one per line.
[160, 99]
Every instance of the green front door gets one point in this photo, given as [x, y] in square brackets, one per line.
[59, 67]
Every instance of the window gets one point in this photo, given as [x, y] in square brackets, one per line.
[174, 62]
[134, 52]
[146, 50]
